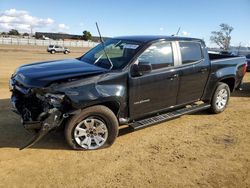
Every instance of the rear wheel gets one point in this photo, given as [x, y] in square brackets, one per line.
[66, 52]
[53, 51]
[220, 98]
[94, 128]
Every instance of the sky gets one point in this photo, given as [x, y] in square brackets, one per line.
[196, 18]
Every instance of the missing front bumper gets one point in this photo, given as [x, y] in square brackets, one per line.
[39, 113]
[32, 125]
[53, 120]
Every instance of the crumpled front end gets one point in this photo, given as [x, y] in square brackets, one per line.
[40, 111]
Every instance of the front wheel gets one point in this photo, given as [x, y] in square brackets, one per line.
[220, 98]
[94, 128]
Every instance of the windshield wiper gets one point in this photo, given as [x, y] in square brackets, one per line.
[98, 58]
[103, 46]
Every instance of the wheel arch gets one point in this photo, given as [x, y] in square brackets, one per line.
[230, 81]
[114, 106]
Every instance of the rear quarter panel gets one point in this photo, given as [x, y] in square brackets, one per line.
[223, 69]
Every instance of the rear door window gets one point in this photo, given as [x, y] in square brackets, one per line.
[190, 52]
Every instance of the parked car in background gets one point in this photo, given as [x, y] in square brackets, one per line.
[57, 49]
[248, 62]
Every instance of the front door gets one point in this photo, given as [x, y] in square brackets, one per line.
[156, 90]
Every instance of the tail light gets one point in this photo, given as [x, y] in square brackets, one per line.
[245, 68]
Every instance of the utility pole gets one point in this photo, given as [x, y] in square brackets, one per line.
[31, 30]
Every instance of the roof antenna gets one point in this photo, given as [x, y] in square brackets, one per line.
[177, 33]
[239, 49]
[100, 36]
[103, 46]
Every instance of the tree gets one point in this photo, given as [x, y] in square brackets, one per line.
[86, 35]
[222, 37]
[3, 33]
[26, 34]
[13, 32]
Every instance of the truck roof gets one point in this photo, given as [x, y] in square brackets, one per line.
[150, 38]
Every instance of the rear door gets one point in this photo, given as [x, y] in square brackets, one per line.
[193, 71]
[157, 90]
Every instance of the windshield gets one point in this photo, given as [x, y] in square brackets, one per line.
[120, 52]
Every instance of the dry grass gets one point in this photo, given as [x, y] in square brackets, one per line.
[199, 150]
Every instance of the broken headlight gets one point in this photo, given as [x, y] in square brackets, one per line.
[55, 99]
[11, 87]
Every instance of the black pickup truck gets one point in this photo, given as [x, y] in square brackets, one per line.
[135, 80]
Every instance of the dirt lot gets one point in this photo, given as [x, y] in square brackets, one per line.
[199, 150]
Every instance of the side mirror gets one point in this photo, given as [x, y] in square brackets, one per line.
[141, 68]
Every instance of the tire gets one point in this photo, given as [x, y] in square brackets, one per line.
[66, 52]
[220, 98]
[53, 52]
[103, 133]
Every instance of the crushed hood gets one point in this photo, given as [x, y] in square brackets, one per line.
[43, 73]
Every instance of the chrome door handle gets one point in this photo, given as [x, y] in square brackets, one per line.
[175, 76]
[203, 70]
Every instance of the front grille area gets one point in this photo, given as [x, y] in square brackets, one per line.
[26, 102]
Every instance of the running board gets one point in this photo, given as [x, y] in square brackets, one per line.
[168, 116]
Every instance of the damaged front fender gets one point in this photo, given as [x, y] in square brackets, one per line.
[96, 90]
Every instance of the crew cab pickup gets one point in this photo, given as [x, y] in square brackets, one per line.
[136, 80]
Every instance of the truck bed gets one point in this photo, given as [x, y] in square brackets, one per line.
[214, 56]
[227, 59]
